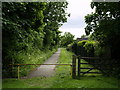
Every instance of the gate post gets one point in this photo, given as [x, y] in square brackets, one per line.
[74, 66]
[79, 61]
[18, 72]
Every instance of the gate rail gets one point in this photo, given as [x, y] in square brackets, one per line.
[18, 67]
[89, 69]
[73, 66]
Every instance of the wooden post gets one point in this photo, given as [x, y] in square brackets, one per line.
[10, 70]
[18, 72]
[79, 61]
[74, 66]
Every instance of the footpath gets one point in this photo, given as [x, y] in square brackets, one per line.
[46, 70]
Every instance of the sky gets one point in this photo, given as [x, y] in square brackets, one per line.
[76, 23]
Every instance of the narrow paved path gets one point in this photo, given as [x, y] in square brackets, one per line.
[46, 70]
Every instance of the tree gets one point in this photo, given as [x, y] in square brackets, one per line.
[55, 15]
[83, 36]
[104, 24]
[22, 29]
[66, 39]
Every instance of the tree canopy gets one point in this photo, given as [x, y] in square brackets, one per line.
[104, 24]
[66, 39]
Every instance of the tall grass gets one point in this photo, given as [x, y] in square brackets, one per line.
[32, 57]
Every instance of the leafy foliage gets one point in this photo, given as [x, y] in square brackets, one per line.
[29, 26]
[54, 17]
[67, 39]
[104, 23]
[82, 43]
[89, 45]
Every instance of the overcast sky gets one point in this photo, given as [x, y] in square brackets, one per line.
[76, 24]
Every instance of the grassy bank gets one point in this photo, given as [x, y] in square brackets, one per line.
[62, 78]
[36, 57]
[31, 56]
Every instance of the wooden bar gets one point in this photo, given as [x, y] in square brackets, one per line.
[39, 64]
[90, 72]
[90, 57]
[86, 68]
[18, 67]
[94, 64]
[94, 58]
[73, 66]
[84, 63]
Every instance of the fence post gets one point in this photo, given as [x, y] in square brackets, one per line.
[79, 61]
[18, 72]
[74, 66]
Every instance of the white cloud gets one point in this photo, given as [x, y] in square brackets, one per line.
[79, 7]
[76, 24]
[75, 31]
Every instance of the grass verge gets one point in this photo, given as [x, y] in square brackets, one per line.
[36, 57]
[31, 57]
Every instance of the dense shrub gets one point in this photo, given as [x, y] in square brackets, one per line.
[89, 45]
[88, 48]
[81, 43]
[66, 39]
[69, 47]
[85, 48]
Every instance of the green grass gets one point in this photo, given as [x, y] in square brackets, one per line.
[62, 78]
[36, 57]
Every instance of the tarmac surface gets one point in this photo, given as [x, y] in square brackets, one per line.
[46, 70]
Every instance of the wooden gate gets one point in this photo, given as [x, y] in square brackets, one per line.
[77, 69]
[81, 73]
